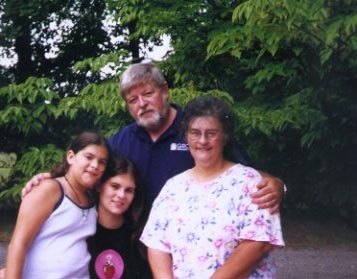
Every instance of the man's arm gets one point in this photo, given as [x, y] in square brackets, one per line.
[270, 192]
[270, 188]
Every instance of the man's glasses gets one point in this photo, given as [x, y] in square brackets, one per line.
[194, 134]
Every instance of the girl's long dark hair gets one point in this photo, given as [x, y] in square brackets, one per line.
[126, 166]
[134, 216]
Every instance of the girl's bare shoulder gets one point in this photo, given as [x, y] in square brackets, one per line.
[48, 188]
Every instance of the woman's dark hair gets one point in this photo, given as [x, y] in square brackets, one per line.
[125, 166]
[221, 110]
[79, 143]
[134, 216]
[210, 106]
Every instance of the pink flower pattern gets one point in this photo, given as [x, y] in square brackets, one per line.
[200, 224]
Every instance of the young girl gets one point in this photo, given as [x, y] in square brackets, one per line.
[114, 247]
[54, 221]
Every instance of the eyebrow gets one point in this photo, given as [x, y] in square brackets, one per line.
[209, 130]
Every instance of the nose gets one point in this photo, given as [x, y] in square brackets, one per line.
[141, 101]
[120, 193]
[94, 164]
[202, 138]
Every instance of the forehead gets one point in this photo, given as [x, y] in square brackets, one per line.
[97, 150]
[124, 179]
[141, 88]
[204, 122]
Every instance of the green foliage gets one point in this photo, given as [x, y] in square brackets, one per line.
[7, 161]
[183, 95]
[288, 67]
[36, 117]
[28, 105]
[35, 160]
[298, 59]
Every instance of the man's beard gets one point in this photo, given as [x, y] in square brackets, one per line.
[155, 121]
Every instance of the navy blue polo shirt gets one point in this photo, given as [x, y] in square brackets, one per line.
[158, 161]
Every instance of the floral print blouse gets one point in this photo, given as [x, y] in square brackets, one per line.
[200, 224]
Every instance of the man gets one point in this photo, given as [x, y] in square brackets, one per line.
[154, 141]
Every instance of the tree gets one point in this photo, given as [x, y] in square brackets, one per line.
[298, 59]
[289, 67]
[45, 96]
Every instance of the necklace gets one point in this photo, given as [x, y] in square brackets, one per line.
[84, 211]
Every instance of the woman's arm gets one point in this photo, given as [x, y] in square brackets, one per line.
[243, 260]
[33, 212]
[160, 263]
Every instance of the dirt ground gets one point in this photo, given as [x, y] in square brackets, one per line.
[315, 249]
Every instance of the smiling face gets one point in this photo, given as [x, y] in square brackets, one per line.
[148, 105]
[206, 140]
[89, 164]
[116, 195]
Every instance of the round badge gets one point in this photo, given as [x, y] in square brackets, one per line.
[109, 265]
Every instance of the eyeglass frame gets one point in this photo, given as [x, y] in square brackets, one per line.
[209, 134]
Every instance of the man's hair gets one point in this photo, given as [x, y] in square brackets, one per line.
[138, 74]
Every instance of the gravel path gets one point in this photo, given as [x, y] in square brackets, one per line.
[317, 264]
[326, 263]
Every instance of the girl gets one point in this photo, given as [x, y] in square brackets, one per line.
[54, 221]
[114, 247]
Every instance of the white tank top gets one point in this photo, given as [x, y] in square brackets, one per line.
[60, 249]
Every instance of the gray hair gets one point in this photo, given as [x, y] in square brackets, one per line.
[138, 74]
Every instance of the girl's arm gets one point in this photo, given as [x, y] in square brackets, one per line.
[243, 260]
[160, 263]
[33, 212]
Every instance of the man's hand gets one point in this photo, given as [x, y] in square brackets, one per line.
[34, 181]
[270, 192]
[2, 273]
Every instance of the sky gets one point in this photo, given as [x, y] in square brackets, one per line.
[157, 53]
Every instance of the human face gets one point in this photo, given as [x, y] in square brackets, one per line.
[206, 140]
[117, 194]
[88, 164]
[148, 105]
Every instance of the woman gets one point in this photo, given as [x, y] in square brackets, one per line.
[114, 248]
[203, 223]
[54, 221]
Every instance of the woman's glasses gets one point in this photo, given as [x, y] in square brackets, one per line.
[195, 135]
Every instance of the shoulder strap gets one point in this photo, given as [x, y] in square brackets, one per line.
[61, 197]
